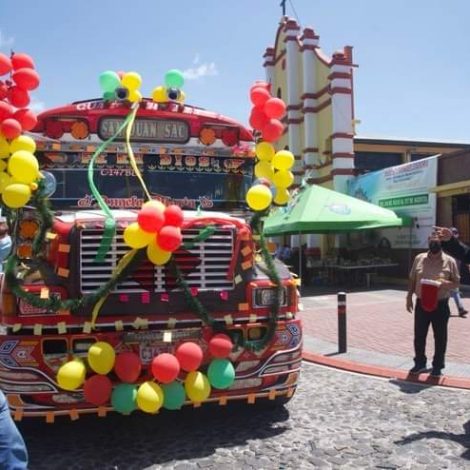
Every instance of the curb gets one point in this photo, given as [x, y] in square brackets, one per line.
[378, 371]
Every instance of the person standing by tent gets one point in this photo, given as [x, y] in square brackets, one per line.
[433, 265]
[461, 252]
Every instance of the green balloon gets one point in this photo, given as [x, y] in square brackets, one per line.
[221, 373]
[109, 81]
[174, 78]
[109, 96]
[174, 395]
[123, 398]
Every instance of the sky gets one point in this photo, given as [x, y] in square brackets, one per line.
[413, 56]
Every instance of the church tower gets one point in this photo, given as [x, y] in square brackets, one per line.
[318, 92]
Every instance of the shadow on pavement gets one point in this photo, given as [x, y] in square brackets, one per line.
[139, 441]
[462, 439]
[410, 385]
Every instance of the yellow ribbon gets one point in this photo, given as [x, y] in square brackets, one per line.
[123, 263]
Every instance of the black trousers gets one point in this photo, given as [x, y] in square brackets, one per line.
[438, 319]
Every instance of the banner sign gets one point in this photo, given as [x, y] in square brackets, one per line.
[405, 190]
[151, 130]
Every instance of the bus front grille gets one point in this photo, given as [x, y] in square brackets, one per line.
[204, 265]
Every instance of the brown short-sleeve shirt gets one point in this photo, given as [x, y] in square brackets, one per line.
[433, 267]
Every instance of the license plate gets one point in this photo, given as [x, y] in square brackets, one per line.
[147, 351]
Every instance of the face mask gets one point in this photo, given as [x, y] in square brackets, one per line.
[434, 246]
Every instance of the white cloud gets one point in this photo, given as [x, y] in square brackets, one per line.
[202, 70]
[5, 42]
[37, 106]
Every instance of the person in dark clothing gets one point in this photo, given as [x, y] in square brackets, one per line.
[452, 245]
[435, 266]
[461, 252]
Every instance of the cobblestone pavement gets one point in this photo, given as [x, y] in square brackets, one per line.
[335, 420]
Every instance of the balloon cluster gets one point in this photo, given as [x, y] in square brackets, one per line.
[19, 168]
[174, 376]
[121, 86]
[266, 112]
[14, 94]
[274, 177]
[158, 228]
[272, 168]
[174, 81]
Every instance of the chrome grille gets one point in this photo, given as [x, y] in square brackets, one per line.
[205, 265]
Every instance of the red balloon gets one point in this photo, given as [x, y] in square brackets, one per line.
[18, 97]
[262, 84]
[120, 74]
[20, 60]
[220, 346]
[258, 118]
[174, 216]
[26, 118]
[259, 96]
[274, 108]
[97, 389]
[10, 128]
[5, 64]
[3, 90]
[150, 219]
[189, 356]
[25, 78]
[6, 110]
[165, 368]
[128, 367]
[169, 238]
[272, 131]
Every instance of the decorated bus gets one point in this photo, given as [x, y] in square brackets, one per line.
[139, 276]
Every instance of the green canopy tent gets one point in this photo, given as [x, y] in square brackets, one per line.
[315, 209]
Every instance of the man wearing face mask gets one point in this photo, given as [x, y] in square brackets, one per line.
[438, 266]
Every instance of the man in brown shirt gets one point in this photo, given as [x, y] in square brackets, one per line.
[433, 265]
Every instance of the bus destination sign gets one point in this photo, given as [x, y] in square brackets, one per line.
[147, 130]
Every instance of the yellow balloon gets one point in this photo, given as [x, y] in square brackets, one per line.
[283, 178]
[197, 386]
[154, 203]
[259, 197]
[131, 80]
[101, 357]
[182, 97]
[135, 237]
[156, 255]
[282, 196]
[4, 147]
[3, 165]
[16, 195]
[265, 151]
[23, 142]
[149, 397]
[23, 166]
[159, 95]
[5, 180]
[71, 375]
[264, 170]
[283, 160]
[134, 96]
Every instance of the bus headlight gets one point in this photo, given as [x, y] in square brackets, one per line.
[266, 296]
